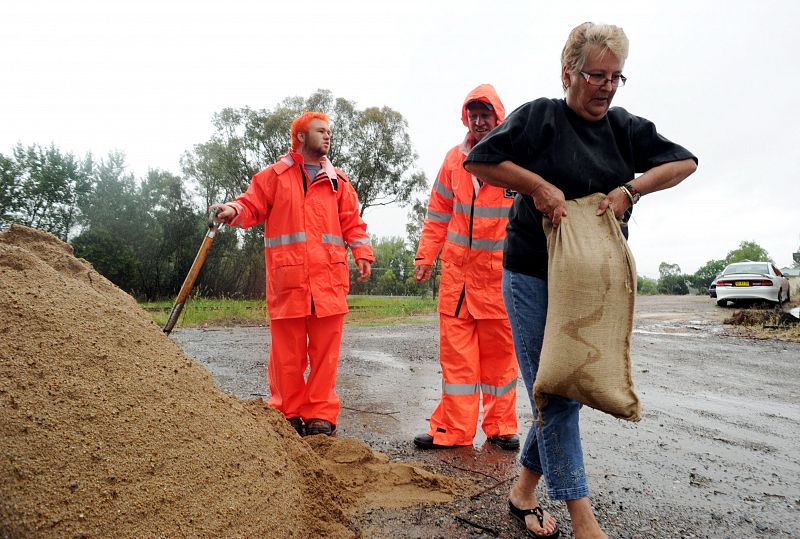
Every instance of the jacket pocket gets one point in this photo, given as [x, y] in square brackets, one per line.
[288, 270]
[497, 260]
[455, 254]
[340, 273]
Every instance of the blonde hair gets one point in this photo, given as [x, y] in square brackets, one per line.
[588, 34]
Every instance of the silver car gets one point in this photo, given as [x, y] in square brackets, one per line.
[752, 281]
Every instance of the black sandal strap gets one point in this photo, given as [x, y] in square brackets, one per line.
[522, 513]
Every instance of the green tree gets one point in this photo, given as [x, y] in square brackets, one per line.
[372, 146]
[170, 233]
[392, 272]
[112, 203]
[646, 286]
[379, 156]
[9, 188]
[244, 142]
[390, 268]
[748, 250]
[40, 187]
[416, 220]
[110, 255]
[391, 254]
[111, 222]
[388, 284]
[702, 278]
[671, 281]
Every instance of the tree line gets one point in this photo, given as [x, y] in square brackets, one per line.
[672, 281]
[143, 233]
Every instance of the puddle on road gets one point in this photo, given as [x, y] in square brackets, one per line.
[699, 328]
[377, 356]
[667, 331]
[760, 425]
[724, 406]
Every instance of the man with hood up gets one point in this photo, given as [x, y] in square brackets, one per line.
[466, 222]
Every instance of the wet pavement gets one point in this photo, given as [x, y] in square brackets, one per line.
[717, 453]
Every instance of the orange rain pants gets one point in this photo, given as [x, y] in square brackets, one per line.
[296, 342]
[477, 357]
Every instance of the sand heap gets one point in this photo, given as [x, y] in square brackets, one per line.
[109, 430]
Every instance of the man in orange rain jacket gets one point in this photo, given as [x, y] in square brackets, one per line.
[310, 215]
[466, 221]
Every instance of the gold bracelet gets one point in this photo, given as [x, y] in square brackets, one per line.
[625, 190]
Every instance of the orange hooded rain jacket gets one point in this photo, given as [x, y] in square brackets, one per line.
[468, 228]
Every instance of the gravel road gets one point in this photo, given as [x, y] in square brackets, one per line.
[717, 453]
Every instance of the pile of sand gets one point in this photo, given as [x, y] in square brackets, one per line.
[109, 430]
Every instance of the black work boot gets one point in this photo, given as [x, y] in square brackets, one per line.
[509, 442]
[425, 441]
[297, 424]
[319, 426]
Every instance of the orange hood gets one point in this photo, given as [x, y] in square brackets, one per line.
[487, 94]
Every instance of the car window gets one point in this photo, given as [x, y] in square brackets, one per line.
[747, 268]
[777, 271]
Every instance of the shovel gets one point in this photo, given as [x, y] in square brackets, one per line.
[188, 283]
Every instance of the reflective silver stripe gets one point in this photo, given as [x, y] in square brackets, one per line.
[438, 216]
[490, 211]
[460, 389]
[480, 211]
[442, 190]
[460, 207]
[498, 391]
[483, 245]
[488, 245]
[362, 241]
[333, 239]
[456, 238]
[285, 239]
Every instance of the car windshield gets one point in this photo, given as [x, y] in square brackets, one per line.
[747, 268]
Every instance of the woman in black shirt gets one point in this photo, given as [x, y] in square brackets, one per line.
[550, 151]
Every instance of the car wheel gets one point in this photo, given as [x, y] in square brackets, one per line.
[722, 302]
[780, 298]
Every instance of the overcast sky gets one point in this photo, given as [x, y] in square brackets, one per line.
[721, 78]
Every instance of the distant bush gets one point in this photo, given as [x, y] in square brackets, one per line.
[646, 286]
[673, 285]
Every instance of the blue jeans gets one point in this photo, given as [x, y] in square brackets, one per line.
[553, 446]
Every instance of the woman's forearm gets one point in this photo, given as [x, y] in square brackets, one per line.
[664, 176]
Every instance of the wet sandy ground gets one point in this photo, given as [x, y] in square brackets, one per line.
[717, 453]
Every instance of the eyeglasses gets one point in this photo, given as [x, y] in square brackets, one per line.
[597, 79]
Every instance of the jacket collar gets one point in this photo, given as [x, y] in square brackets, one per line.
[466, 145]
[327, 167]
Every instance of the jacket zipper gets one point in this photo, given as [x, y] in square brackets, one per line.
[471, 220]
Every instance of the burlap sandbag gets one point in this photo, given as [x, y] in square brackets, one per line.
[591, 288]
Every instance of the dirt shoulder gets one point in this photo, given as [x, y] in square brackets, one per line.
[715, 455]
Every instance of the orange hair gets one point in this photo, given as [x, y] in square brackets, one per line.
[301, 124]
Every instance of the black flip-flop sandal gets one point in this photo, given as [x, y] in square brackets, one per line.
[520, 515]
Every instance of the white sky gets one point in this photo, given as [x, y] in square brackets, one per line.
[145, 77]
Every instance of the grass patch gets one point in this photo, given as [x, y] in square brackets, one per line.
[214, 312]
[364, 311]
[382, 310]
